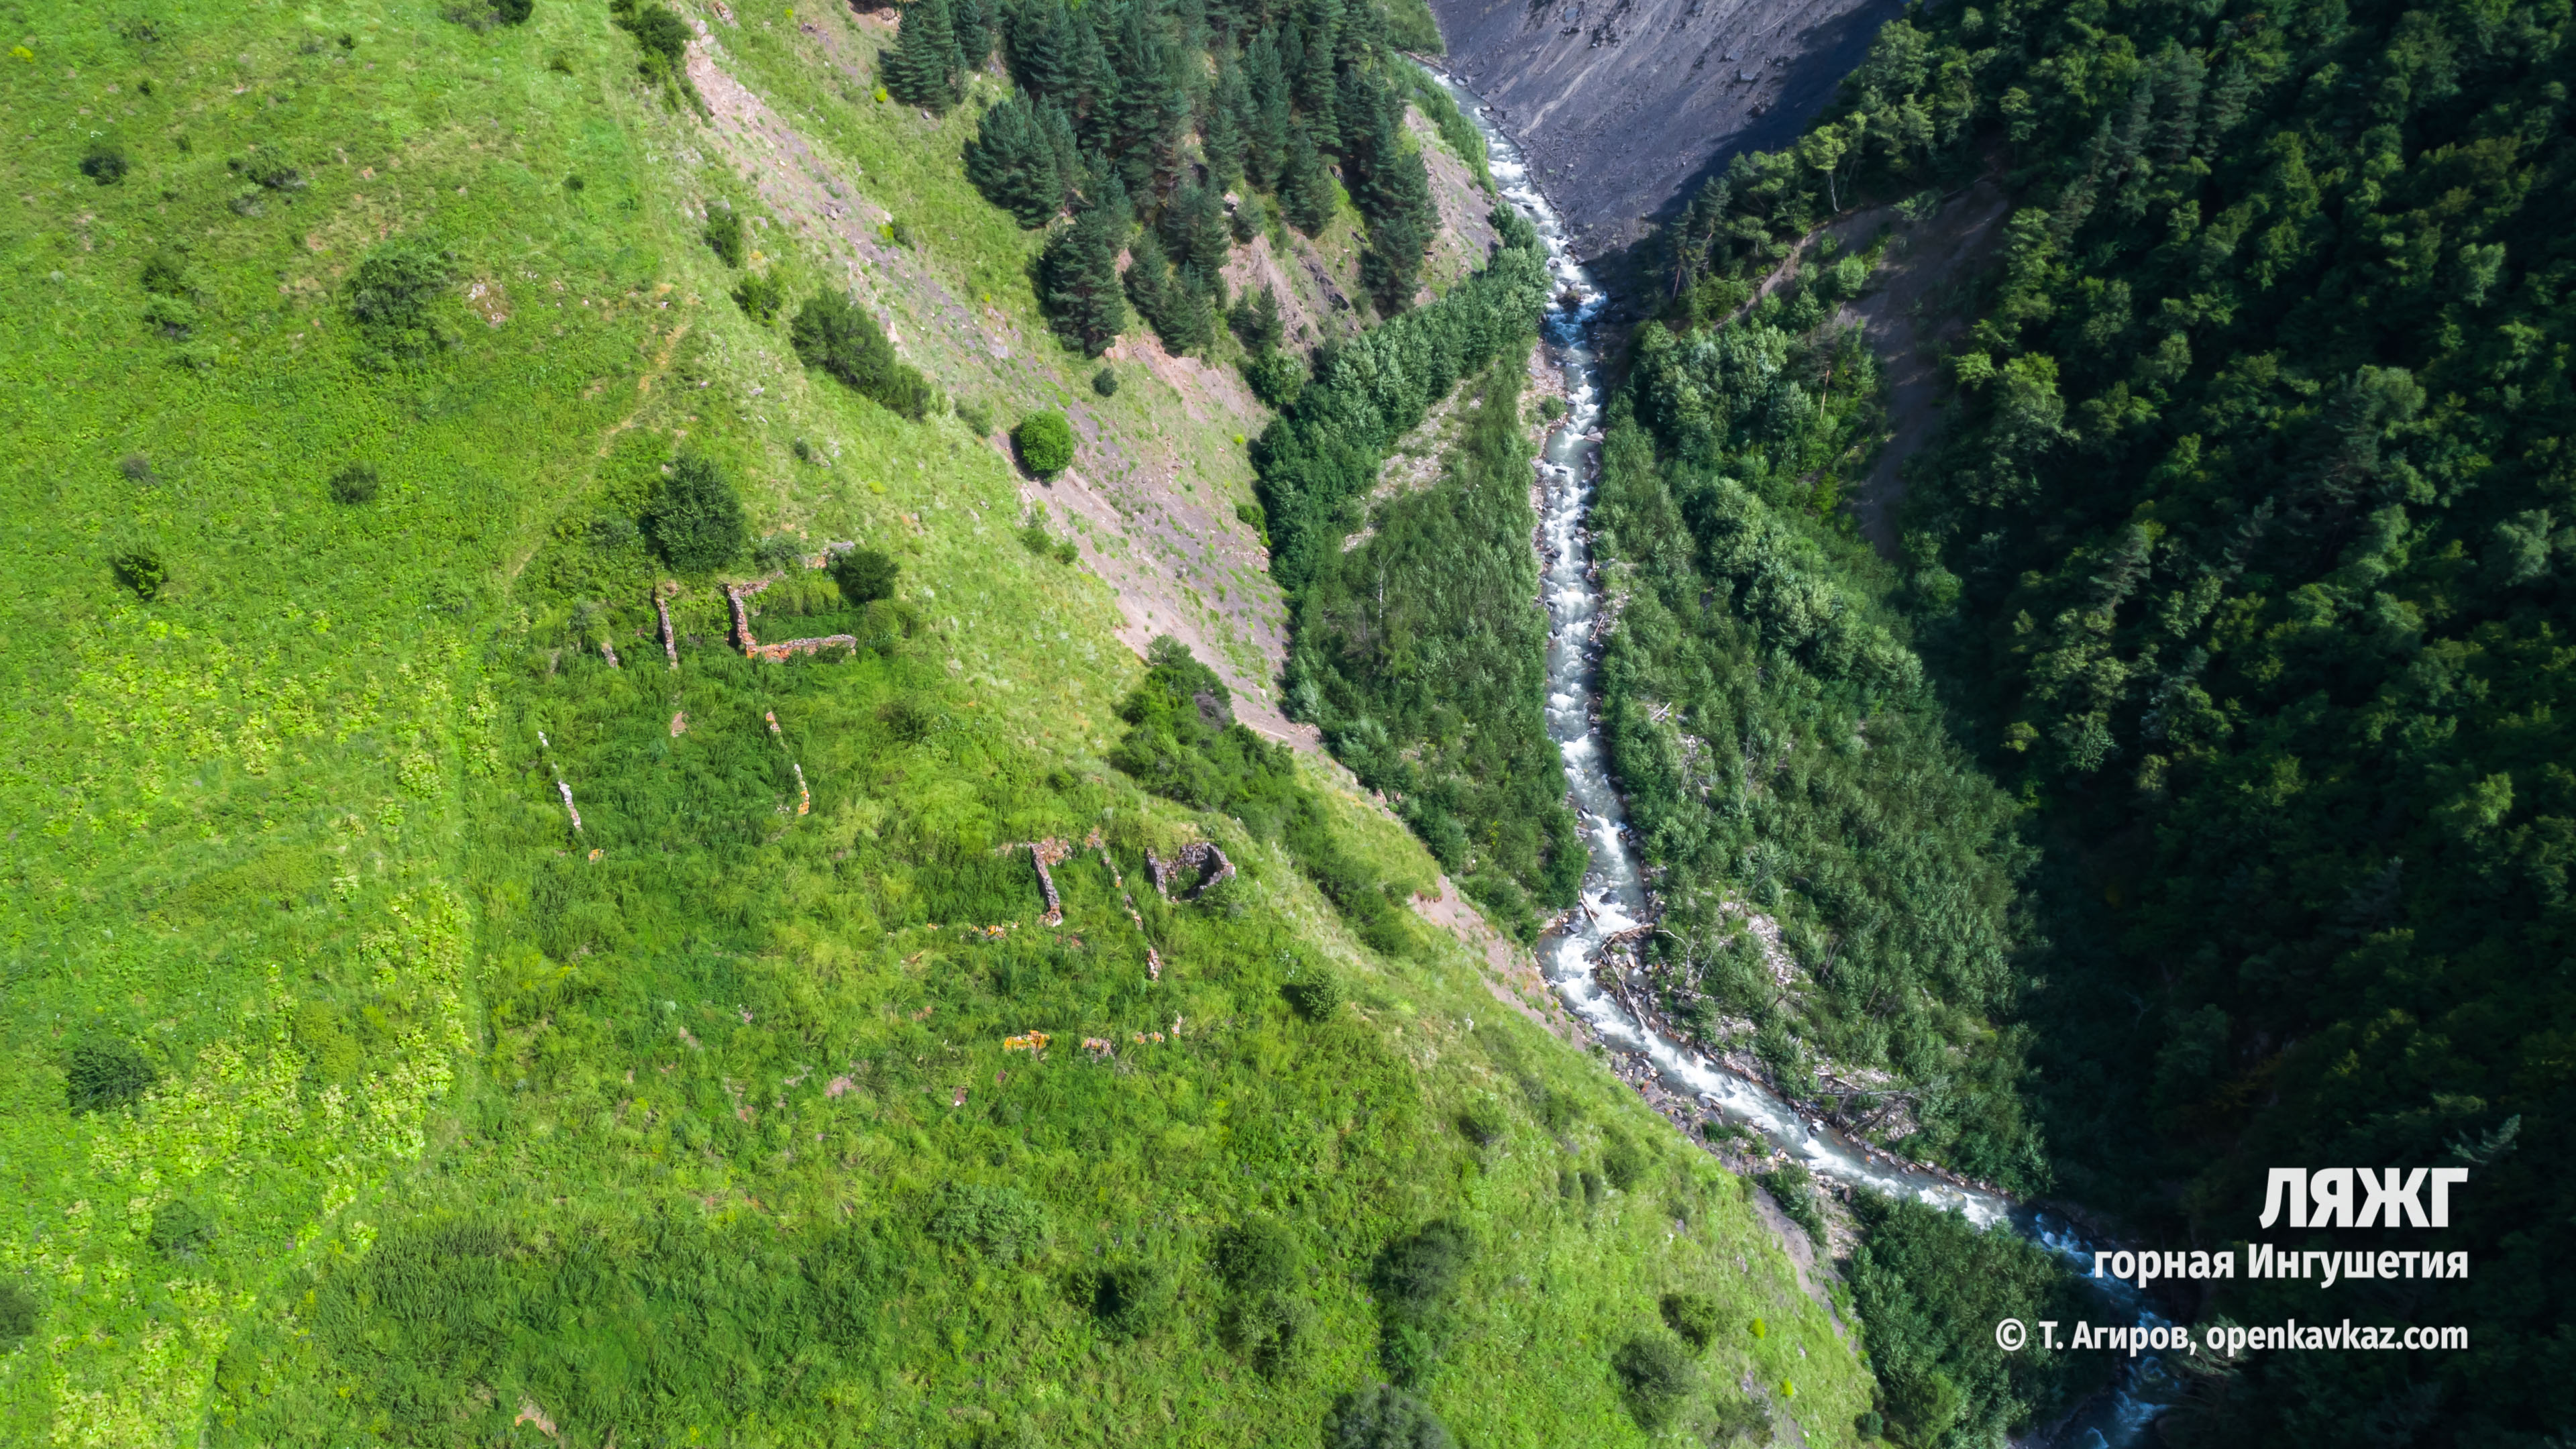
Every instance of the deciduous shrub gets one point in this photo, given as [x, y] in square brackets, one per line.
[1045, 442]
[659, 33]
[180, 1231]
[389, 298]
[105, 1074]
[724, 234]
[105, 165]
[865, 575]
[1694, 1316]
[19, 1311]
[1001, 1223]
[978, 418]
[1105, 382]
[839, 336]
[1624, 1162]
[356, 483]
[1657, 1375]
[1260, 1254]
[1483, 1121]
[1384, 1417]
[1416, 1280]
[696, 524]
[760, 295]
[1131, 1299]
[1274, 1330]
[139, 567]
[1314, 992]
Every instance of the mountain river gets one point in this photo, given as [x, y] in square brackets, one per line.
[1614, 893]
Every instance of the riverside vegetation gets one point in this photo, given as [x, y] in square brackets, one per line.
[2220, 669]
[375, 374]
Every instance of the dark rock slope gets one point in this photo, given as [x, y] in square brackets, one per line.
[1622, 105]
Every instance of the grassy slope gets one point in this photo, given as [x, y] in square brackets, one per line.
[288, 810]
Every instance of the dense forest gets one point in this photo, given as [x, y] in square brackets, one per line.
[1141, 119]
[2240, 567]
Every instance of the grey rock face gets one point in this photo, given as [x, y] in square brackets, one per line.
[1623, 105]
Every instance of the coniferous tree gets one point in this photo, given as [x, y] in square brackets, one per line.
[1095, 82]
[975, 23]
[1080, 273]
[1152, 105]
[1256, 321]
[1041, 46]
[1180, 316]
[1317, 85]
[1305, 187]
[1394, 195]
[1265, 135]
[1195, 234]
[1014, 159]
[1229, 117]
[924, 66]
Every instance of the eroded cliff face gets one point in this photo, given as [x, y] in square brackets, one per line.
[1622, 105]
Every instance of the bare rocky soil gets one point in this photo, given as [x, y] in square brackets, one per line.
[1622, 105]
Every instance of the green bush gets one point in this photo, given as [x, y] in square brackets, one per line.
[1000, 1223]
[1260, 1255]
[180, 1231]
[139, 568]
[105, 164]
[1624, 1162]
[136, 468]
[19, 1311]
[1105, 382]
[355, 484]
[514, 12]
[1483, 1121]
[1694, 1316]
[760, 295]
[1790, 1185]
[660, 34]
[724, 234]
[865, 575]
[1277, 378]
[838, 335]
[696, 524]
[1657, 1375]
[978, 418]
[776, 554]
[1045, 442]
[1131, 1299]
[1415, 1280]
[1314, 993]
[104, 1075]
[166, 274]
[1273, 1330]
[389, 297]
[1384, 1417]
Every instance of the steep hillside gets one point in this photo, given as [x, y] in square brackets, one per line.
[1622, 106]
[447, 1003]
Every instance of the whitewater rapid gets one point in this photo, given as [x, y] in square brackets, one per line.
[1614, 898]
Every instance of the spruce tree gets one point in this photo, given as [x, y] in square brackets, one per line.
[1317, 86]
[1305, 187]
[1393, 193]
[1229, 118]
[1180, 316]
[1041, 48]
[1265, 138]
[1080, 273]
[1095, 82]
[923, 68]
[1194, 231]
[1013, 161]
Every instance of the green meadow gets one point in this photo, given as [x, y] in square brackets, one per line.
[350, 1094]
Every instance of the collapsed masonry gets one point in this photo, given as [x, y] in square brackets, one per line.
[774, 653]
[1044, 853]
[1199, 855]
[670, 647]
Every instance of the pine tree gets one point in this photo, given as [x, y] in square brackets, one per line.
[1180, 316]
[1316, 84]
[1014, 162]
[1095, 81]
[1256, 321]
[975, 22]
[1194, 230]
[1305, 187]
[1229, 117]
[1041, 47]
[1080, 274]
[924, 66]
[1153, 101]
[1265, 138]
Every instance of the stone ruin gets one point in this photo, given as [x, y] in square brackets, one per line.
[774, 653]
[1199, 855]
[1045, 853]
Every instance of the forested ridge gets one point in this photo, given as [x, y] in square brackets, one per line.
[2240, 569]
